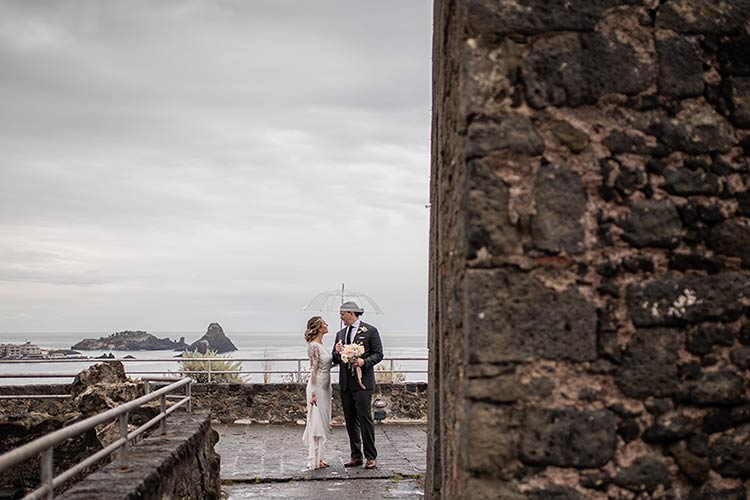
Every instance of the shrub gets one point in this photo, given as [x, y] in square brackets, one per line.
[383, 374]
[218, 364]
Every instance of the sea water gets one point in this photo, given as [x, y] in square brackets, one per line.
[254, 345]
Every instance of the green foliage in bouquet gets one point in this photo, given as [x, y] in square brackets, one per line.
[218, 364]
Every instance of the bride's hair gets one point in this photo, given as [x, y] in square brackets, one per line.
[313, 327]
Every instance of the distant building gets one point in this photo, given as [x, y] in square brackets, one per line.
[19, 350]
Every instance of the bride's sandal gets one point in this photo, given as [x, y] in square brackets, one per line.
[323, 464]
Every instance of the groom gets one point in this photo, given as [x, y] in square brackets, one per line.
[355, 400]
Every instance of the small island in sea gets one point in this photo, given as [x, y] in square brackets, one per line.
[130, 341]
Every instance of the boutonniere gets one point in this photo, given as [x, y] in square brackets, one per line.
[362, 329]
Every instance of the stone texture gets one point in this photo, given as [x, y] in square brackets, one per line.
[491, 451]
[179, 465]
[646, 474]
[716, 17]
[512, 133]
[547, 324]
[560, 206]
[740, 101]
[685, 182]
[729, 454]
[719, 387]
[649, 366]
[489, 225]
[573, 69]
[573, 138]
[680, 67]
[732, 238]
[688, 299]
[568, 438]
[494, 19]
[652, 224]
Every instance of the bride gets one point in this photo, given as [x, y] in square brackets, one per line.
[318, 393]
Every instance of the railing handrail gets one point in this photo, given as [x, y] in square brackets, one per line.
[45, 444]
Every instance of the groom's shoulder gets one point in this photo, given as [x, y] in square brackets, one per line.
[370, 327]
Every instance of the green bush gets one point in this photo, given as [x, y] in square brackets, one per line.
[218, 364]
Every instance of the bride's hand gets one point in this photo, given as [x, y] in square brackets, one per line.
[339, 347]
[314, 400]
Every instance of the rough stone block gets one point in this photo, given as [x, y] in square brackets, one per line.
[560, 207]
[574, 139]
[688, 299]
[646, 474]
[668, 429]
[652, 223]
[729, 455]
[516, 317]
[571, 69]
[721, 387]
[735, 55]
[680, 67]
[494, 19]
[512, 133]
[741, 101]
[568, 437]
[732, 238]
[555, 492]
[649, 366]
[718, 17]
[488, 221]
[686, 182]
[491, 439]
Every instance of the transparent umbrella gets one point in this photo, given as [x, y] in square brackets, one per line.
[331, 301]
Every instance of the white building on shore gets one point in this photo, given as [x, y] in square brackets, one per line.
[19, 350]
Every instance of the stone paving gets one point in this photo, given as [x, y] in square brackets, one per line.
[269, 461]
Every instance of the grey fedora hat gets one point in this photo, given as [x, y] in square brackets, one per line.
[351, 307]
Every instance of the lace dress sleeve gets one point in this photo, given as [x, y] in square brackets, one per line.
[314, 355]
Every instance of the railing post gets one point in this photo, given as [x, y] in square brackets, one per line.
[392, 364]
[148, 386]
[299, 371]
[209, 371]
[190, 396]
[47, 472]
[163, 408]
[124, 435]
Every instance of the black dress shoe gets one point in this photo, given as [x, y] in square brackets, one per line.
[354, 462]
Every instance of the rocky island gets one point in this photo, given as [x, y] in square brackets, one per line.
[214, 339]
[130, 341]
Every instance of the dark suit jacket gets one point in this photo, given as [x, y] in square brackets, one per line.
[368, 336]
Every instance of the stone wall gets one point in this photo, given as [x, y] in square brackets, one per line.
[285, 403]
[590, 246]
[181, 464]
[256, 403]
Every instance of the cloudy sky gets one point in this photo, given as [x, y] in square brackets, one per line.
[167, 164]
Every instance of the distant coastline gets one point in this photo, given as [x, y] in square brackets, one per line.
[131, 341]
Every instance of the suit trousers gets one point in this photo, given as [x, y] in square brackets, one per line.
[358, 417]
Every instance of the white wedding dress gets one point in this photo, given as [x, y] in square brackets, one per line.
[318, 416]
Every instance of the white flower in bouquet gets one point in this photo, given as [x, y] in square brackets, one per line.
[350, 352]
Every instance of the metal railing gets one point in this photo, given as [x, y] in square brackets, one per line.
[44, 445]
[296, 374]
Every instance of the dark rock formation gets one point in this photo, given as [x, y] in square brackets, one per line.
[130, 341]
[213, 339]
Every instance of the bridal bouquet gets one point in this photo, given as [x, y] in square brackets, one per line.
[349, 354]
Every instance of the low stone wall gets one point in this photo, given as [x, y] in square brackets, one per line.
[254, 403]
[50, 406]
[284, 403]
[181, 464]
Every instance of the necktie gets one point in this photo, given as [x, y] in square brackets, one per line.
[348, 334]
